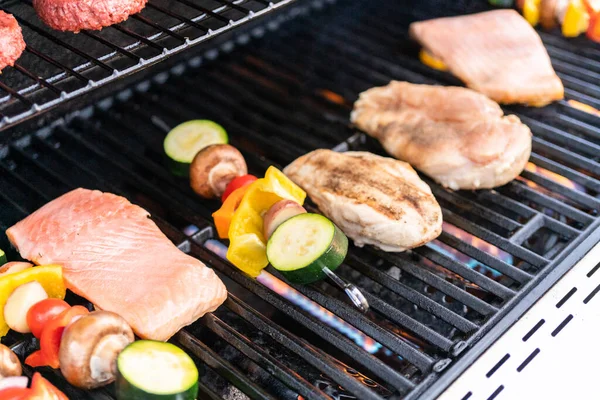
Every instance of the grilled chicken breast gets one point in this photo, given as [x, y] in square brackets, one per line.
[496, 53]
[374, 200]
[458, 137]
[116, 257]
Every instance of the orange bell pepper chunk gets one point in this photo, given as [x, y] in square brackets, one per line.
[223, 215]
[43, 390]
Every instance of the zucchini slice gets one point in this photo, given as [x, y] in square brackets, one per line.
[305, 244]
[2, 258]
[149, 370]
[184, 141]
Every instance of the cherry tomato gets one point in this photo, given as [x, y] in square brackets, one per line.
[52, 333]
[15, 394]
[40, 313]
[237, 183]
[44, 390]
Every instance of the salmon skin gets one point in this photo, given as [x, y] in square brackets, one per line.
[496, 53]
[115, 256]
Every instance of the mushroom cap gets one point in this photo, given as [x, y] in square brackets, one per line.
[548, 18]
[214, 167]
[89, 348]
[9, 363]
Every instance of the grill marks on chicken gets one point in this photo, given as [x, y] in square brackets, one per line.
[458, 137]
[496, 53]
[374, 200]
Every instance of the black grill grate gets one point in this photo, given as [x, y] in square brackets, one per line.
[280, 97]
[58, 66]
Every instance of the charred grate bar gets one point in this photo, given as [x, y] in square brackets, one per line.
[59, 66]
[280, 97]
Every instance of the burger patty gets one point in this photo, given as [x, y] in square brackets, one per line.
[77, 15]
[11, 40]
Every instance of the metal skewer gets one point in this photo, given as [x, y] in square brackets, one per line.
[351, 290]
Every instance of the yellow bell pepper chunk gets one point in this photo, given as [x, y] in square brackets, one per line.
[576, 19]
[531, 11]
[247, 244]
[431, 61]
[282, 186]
[223, 215]
[49, 276]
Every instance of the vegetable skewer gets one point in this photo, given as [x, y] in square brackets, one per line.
[255, 211]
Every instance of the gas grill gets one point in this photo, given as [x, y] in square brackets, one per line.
[283, 84]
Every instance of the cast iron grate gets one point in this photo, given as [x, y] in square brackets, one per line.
[58, 66]
[280, 97]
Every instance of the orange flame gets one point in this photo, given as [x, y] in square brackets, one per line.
[475, 242]
[333, 97]
[466, 259]
[584, 107]
[319, 312]
[550, 175]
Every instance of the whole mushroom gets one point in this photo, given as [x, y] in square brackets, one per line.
[548, 18]
[89, 348]
[9, 363]
[214, 167]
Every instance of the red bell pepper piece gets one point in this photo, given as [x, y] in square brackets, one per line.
[15, 394]
[52, 334]
[36, 359]
[593, 32]
[592, 6]
[43, 390]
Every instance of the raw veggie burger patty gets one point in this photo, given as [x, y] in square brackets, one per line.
[77, 15]
[11, 40]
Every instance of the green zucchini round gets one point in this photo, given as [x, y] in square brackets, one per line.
[305, 244]
[184, 141]
[149, 370]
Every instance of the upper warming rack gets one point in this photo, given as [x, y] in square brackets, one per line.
[57, 66]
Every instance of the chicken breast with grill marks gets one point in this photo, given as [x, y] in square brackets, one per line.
[457, 136]
[374, 200]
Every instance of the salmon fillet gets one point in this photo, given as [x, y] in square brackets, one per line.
[374, 200]
[457, 136]
[496, 53]
[117, 258]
